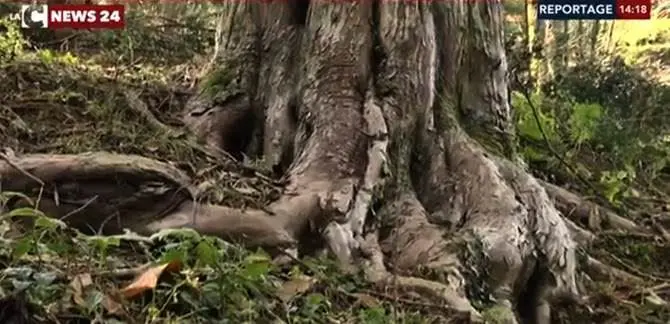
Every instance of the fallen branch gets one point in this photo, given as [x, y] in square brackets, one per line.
[664, 232]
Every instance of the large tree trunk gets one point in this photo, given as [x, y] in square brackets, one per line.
[391, 124]
[383, 99]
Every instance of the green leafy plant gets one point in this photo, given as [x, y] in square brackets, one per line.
[583, 122]
[11, 41]
[527, 124]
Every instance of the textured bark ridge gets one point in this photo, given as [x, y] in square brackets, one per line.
[391, 124]
[391, 100]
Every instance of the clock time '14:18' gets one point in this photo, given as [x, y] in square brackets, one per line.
[633, 9]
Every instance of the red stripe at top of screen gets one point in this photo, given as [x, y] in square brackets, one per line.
[154, 2]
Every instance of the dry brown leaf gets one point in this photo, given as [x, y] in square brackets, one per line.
[148, 279]
[78, 284]
[367, 300]
[112, 306]
[294, 287]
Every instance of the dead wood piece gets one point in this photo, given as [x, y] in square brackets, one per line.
[580, 235]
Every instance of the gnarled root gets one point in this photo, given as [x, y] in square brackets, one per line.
[579, 209]
[104, 192]
[376, 272]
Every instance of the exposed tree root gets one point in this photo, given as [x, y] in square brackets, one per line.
[48, 168]
[90, 185]
[601, 271]
[581, 210]
[136, 104]
[376, 272]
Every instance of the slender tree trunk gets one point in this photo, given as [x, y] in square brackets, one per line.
[527, 37]
[539, 50]
[611, 44]
[593, 41]
[564, 48]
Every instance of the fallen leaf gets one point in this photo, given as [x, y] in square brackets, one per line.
[78, 284]
[655, 299]
[294, 287]
[112, 306]
[367, 300]
[148, 279]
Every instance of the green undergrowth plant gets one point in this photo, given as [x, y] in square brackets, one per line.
[11, 41]
[155, 34]
[608, 123]
[601, 93]
[60, 273]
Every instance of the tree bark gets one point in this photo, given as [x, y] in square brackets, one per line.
[391, 124]
[593, 40]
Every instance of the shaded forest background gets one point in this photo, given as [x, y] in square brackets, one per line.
[591, 101]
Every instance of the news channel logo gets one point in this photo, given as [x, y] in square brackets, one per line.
[34, 16]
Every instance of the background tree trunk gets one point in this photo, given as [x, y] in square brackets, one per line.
[593, 39]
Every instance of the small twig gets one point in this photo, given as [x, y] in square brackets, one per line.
[626, 234]
[636, 271]
[105, 221]
[65, 39]
[596, 266]
[126, 272]
[664, 233]
[80, 208]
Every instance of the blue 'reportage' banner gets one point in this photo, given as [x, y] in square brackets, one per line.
[576, 9]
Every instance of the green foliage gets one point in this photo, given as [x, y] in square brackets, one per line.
[498, 315]
[161, 33]
[601, 100]
[605, 120]
[220, 84]
[616, 183]
[217, 281]
[527, 124]
[48, 56]
[11, 41]
[583, 121]
[574, 129]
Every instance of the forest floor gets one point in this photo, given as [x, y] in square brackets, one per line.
[59, 102]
